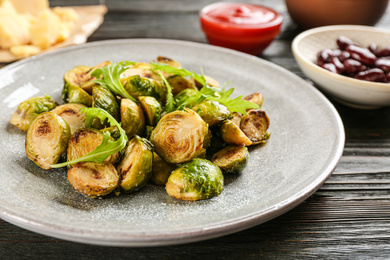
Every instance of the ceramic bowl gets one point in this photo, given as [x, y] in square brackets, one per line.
[350, 91]
[314, 13]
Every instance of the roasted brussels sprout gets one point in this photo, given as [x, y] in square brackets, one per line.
[47, 138]
[160, 170]
[184, 95]
[256, 98]
[77, 76]
[237, 118]
[152, 109]
[72, 115]
[231, 159]
[179, 83]
[104, 99]
[93, 179]
[168, 61]
[212, 112]
[210, 81]
[75, 94]
[137, 86]
[195, 180]
[136, 167]
[142, 69]
[84, 141]
[233, 135]
[86, 81]
[28, 110]
[178, 136]
[255, 125]
[132, 118]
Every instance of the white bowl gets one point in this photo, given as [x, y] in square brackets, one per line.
[350, 91]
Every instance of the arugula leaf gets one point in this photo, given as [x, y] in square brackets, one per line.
[234, 105]
[107, 146]
[177, 71]
[170, 103]
[111, 78]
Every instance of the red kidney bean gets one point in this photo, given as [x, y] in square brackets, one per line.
[383, 52]
[372, 48]
[338, 64]
[324, 57]
[383, 64]
[330, 66]
[376, 75]
[343, 42]
[353, 66]
[362, 54]
[343, 56]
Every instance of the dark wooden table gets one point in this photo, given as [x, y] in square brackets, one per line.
[348, 217]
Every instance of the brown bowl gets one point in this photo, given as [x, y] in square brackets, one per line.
[314, 13]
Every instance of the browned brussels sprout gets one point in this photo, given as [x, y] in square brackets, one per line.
[179, 83]
[184, 95]
[233, 135]
[237, 118]
[104, 99]
[168, 61]
[256, 98]
[178, 136]
[231, 159]
[255, 125]
[137, 86]
[93, 179]
[132, 118]
[47, 138]
[195, 180]
[212, 112]
[72, 91]
[86, 80]
[136, 167]
[152, 109]
[161, 170]
[72, 115]
[28, 110]
[84, 141]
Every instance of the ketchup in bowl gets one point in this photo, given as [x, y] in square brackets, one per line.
[244, 27]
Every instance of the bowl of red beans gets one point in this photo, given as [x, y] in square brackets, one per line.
[347, 62]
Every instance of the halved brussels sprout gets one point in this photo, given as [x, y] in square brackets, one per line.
[168, 61]
[255, 125]
[86, 81]
[72, 115]
[28, 110]
[160, 170]
[84, 141]
[231, 159]
[212, 112]
[195, 180]
[237, 118]
[77, 76]
[210, 81]
[152, 109]
[184, 95]
[93, 179]
[178, 136]
[75, 94]
[137, 86]
[104, 99]
[179, 83]
[132, 118]
[136, 167]
[47, 138]
[142, 69]
[232, 134]
[256, 98]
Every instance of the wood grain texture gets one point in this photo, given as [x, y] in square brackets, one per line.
[347, 218]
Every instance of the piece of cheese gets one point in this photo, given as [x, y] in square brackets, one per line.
[14, 27]
[23, 51]
[45, 31]
[33, 7]
[68, 17]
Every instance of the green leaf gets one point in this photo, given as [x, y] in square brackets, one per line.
[234, 105]
[170, 103]
[108, 146]
[109, 77]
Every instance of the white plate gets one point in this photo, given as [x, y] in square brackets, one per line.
[307, 140]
